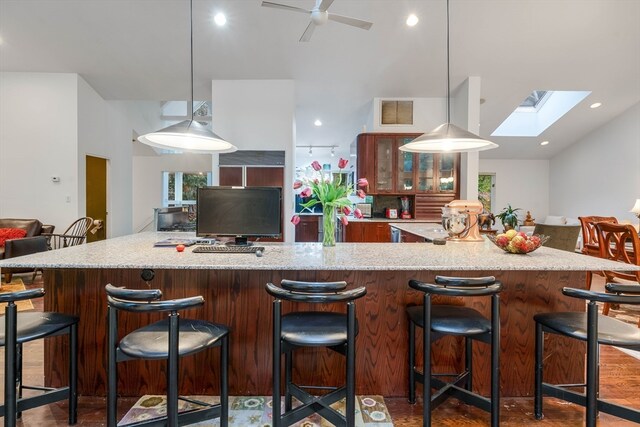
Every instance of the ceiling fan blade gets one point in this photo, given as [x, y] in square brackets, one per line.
[306, 36]
[285, 7]
[324, 5]
[365, 25]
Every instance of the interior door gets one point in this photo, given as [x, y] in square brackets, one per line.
[96, 196]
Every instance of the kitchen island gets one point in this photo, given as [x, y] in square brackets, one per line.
[233, 288]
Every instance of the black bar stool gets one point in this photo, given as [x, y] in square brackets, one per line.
[167, 339]
[595, 329]
[336, 331]
[19, 328]
[440, 320]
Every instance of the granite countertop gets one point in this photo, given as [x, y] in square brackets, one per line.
[137, 251]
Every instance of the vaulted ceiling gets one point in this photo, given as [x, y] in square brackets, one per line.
[138, 50]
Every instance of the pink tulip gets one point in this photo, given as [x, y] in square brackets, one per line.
[295, 220]
[297, 184]
[357, 213]
[316, 181]
[306, 192]
[344, 220]
[361, 194]
[346, 210]
[316, 165]
[362, 182]
[342, 163]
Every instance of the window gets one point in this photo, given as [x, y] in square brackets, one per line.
[396, 113]
[181, 188]
[487, 191]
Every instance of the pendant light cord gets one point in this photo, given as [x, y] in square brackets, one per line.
[448, 81]
[191, 31]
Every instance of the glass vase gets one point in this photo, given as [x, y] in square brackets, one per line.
[329, 219]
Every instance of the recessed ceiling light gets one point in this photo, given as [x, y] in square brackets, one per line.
[220, 19]
[317, 123]
[412, 20]
[595, 105]
[544, 143]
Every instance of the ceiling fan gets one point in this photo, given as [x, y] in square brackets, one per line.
[319, 16]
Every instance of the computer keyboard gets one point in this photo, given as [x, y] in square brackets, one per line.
[211, 249]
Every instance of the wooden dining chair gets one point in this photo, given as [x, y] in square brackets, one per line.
[619, 242]
[75, 234]
[590, 244]
[590, 235]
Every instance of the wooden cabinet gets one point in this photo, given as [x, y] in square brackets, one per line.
[406, 237]
[231, 176]
[431, 178]
[365, 231]
[254, 176]
[308, 228]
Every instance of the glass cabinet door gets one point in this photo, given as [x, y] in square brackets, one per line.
[446, 169]
[426, 172]
[384, 165]
[405, 175]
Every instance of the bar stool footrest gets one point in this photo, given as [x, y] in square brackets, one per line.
[49, 396]
[558, 391]
[315, 404]
[466, 396]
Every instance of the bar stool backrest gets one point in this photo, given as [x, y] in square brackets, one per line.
[315, 292]
[459, 286]
[147, 300]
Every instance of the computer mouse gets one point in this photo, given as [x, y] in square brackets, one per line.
[259, 253]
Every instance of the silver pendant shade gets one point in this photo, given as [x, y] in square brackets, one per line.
[189, 135]
[448, 138]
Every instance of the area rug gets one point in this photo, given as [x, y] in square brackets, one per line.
[15, 285]
[255, 411]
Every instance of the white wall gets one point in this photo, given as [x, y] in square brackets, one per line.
[147, 180]
[259, 115]
[38, 140]
[522, 183]
[600, 174]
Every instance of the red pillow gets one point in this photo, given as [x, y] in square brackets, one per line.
[11, 233]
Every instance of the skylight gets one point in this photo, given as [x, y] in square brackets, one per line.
[534, 101]
[538, 111]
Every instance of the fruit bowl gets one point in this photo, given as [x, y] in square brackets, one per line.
[518, 242]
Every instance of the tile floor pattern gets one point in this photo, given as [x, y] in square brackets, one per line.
[255, 411]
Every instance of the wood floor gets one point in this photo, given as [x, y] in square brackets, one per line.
[619, 376]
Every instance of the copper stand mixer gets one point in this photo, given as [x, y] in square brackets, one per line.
[460, 220]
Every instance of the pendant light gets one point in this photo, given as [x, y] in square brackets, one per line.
[188, 135]
[448, 137]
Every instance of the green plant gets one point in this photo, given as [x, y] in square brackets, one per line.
[508, 217]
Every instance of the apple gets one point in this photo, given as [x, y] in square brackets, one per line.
[180, 248]
[511, 234]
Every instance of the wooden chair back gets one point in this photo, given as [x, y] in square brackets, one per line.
[590, 244]
[619, 242]
[75, 234]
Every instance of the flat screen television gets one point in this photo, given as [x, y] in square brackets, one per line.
[240, 212]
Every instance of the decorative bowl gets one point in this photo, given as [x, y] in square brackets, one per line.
[518, 243]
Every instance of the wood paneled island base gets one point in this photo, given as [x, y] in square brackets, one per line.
[237, 298]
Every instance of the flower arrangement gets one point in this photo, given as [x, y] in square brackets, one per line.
[332, 195]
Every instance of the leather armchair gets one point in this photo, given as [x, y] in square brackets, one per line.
[19, 247]
[33, 227]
